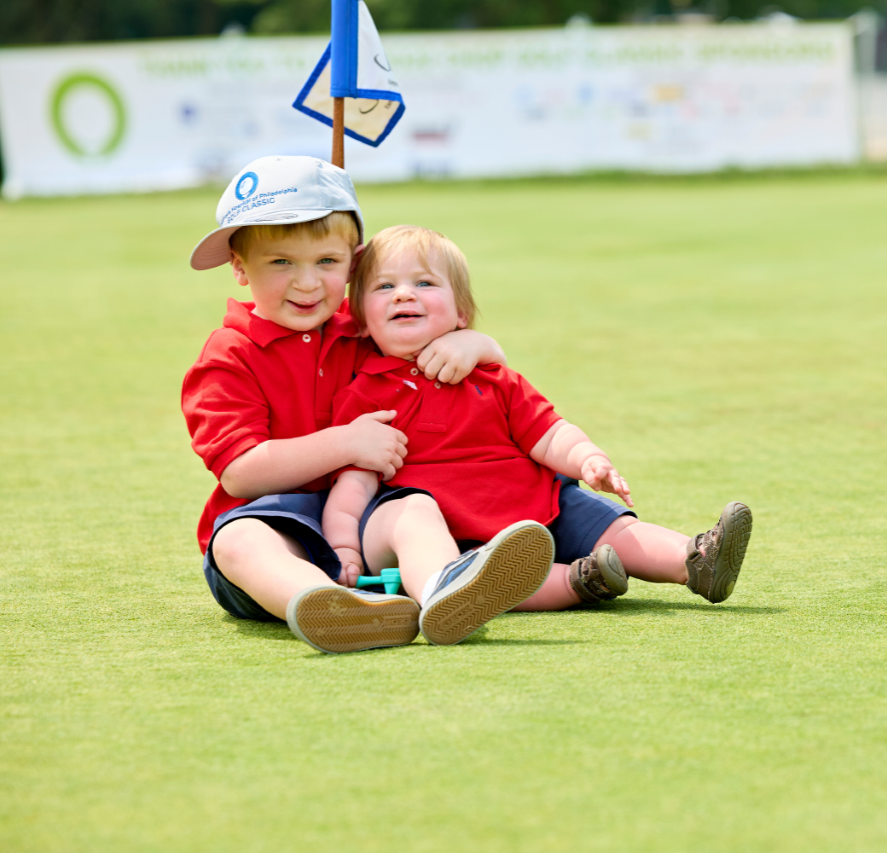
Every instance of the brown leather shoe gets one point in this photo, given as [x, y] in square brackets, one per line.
[599, 576]
[714, 558]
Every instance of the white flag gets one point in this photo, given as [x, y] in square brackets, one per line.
[354, 66]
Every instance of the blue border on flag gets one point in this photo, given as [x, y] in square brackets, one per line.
[379, 94]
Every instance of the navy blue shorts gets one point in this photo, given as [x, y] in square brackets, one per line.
[298, 516]
[383, 495]
[581, 521]
[583, 518]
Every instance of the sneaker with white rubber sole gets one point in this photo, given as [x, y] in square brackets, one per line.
[334, 619]
[487, 582]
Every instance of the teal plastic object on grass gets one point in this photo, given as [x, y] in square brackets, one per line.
[389, 578]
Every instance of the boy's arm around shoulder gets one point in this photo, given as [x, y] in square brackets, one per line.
[451, 357]
[566, 449]
[344, 508]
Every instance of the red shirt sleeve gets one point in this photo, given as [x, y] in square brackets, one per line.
[530, 415]
[226, 412]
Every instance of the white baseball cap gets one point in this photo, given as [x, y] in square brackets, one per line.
[276, 191]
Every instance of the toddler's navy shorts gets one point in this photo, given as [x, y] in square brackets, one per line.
[383, 495]
[582, 518]
[298, 516]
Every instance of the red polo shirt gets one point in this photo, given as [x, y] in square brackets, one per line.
[255, 381]
[469, 443]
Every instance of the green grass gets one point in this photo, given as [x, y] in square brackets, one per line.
[723, 339]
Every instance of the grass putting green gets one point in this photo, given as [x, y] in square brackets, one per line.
[723, 339]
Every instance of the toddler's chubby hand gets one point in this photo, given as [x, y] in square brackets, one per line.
[600, 474]
[352, 566]
[451, 357]
[376, 446]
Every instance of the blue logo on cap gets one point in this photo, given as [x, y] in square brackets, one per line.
[253, 180]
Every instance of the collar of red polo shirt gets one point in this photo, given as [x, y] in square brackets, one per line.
[262, 332]
[377, 363]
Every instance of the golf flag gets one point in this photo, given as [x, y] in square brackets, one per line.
[354, 66]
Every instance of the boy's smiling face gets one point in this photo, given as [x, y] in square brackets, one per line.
[409, 303]
[297, 281]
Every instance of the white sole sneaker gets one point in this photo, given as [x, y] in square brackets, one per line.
[485, 583]
[334, 619]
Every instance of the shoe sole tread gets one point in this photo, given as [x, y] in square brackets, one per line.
[737, 532]
[334, 620]
[512, 573]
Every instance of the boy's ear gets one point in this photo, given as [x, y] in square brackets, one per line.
[239, 271]
[462, 322]
[355, 257]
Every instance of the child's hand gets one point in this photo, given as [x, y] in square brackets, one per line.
[352, 566]
[600, 474]
[377, 447]
[451, 357]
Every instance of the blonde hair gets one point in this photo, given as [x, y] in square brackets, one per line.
[424, 241]
[340, 223]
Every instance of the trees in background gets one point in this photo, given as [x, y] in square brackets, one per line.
[53, 21]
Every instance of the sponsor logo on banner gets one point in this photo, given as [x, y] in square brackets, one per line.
[104, 99]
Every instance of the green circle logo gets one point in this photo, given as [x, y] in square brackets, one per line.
[81, 81]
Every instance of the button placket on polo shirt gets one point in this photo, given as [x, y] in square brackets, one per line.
[435, 410]
[323, 402]
[323, 397]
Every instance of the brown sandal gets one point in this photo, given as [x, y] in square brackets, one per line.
[599, 576]
[715, 557]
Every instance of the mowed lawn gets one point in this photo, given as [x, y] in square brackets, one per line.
[724, 339]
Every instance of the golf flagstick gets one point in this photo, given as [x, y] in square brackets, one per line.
[343, 31]
[352, 89]
[338, 158]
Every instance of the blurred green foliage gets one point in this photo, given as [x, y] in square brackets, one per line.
[52, 21]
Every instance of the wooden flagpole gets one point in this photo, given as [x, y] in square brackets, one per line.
[339, 132]
[339, 32]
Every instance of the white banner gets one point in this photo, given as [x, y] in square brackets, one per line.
[158, 115]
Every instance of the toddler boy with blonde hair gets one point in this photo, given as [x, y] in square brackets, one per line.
[491, 451]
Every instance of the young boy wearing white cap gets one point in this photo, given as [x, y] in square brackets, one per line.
[258, 401]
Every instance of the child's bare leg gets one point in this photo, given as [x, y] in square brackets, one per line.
[648, 552]
[267, 565]
[659, 555]
[556, 593]
[411, 533]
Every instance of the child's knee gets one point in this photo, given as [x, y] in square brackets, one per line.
[421, 508]
[235, 540]
[620, 524]
[250, 540]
